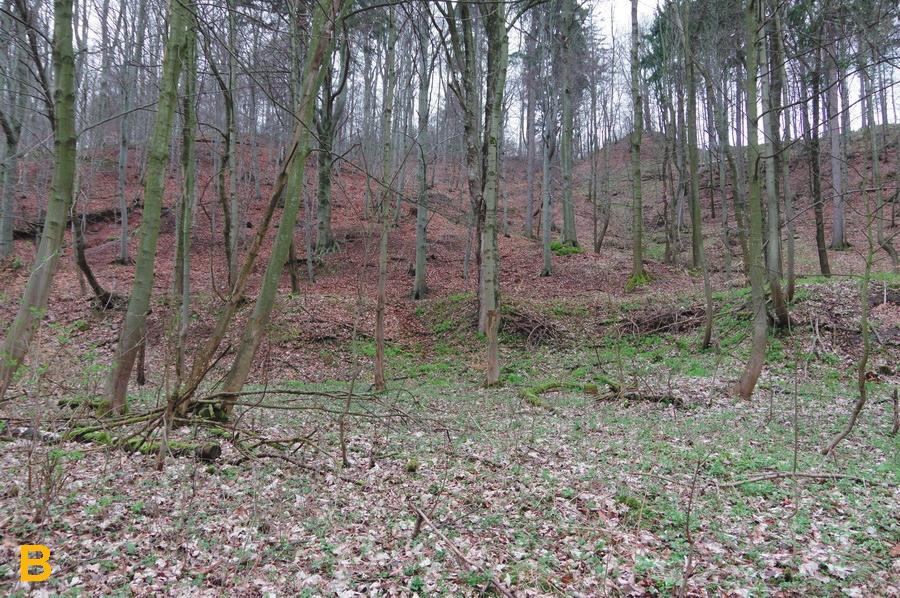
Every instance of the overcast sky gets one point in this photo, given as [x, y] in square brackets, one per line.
[619, 12]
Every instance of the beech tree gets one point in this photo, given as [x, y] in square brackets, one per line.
[62, 116]
[754, 200]
[133, 329]
[425, 69]
[638, 277]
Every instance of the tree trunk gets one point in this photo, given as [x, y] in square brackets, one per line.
[812, 140]
[186, 205]
[784, 156]
[838, 241]
[390, 82]
[771, 96]
[637, 257]
[34, 299]
[321, 46]
[694, 181]
[569, 236]
[419, 286]
[11, 125]
[546, 205]
[756, 267]
[133, 328]
[531, 100]
[497, 59]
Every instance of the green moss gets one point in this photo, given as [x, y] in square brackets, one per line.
[564, 249]
[637, 281]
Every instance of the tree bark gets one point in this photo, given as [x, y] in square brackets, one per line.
[637, 215]
[133, 328]
[812, 139]
[569, 236]
[838, 240]
[756, 267]
[182, 290]
[694, 180]
[34, 299]
[420, 287]
[497, 58]
[771, 96]
[321, 46]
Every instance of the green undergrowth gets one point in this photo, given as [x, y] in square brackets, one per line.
[565, 488]
[563, 249]
[636, 281]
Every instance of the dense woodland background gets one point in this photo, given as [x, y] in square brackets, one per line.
[518, 298]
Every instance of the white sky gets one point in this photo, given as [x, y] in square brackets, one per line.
[619, 12]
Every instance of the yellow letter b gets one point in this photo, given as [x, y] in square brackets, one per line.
[25, 562]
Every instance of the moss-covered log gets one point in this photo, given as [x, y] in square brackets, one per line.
[204, 451]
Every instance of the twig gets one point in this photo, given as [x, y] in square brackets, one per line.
[689, 560]
[896, 426]
[463, 561]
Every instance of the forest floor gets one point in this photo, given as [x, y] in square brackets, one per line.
[612, 460]
[550, 485]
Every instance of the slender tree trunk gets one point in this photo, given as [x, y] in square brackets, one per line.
[390, 82]
[531, 100]
[838, 240]
[569, 236]
[546, 204]
[9, 186]
[34, 299]
[694, 181]
[122, 173]
[697, 257]
[637, 251]
[319, 53]
[757, 269]
[11, 125]
[497, 60]
[771, 96]
[331, 107]
[812, 139]
[186, 205]
[718, 145]
[231, 121]
[419, 286]
[784, 157]
[133, 328]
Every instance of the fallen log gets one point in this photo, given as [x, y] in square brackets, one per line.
[31, 229]
[633, 394]
[206, 452]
